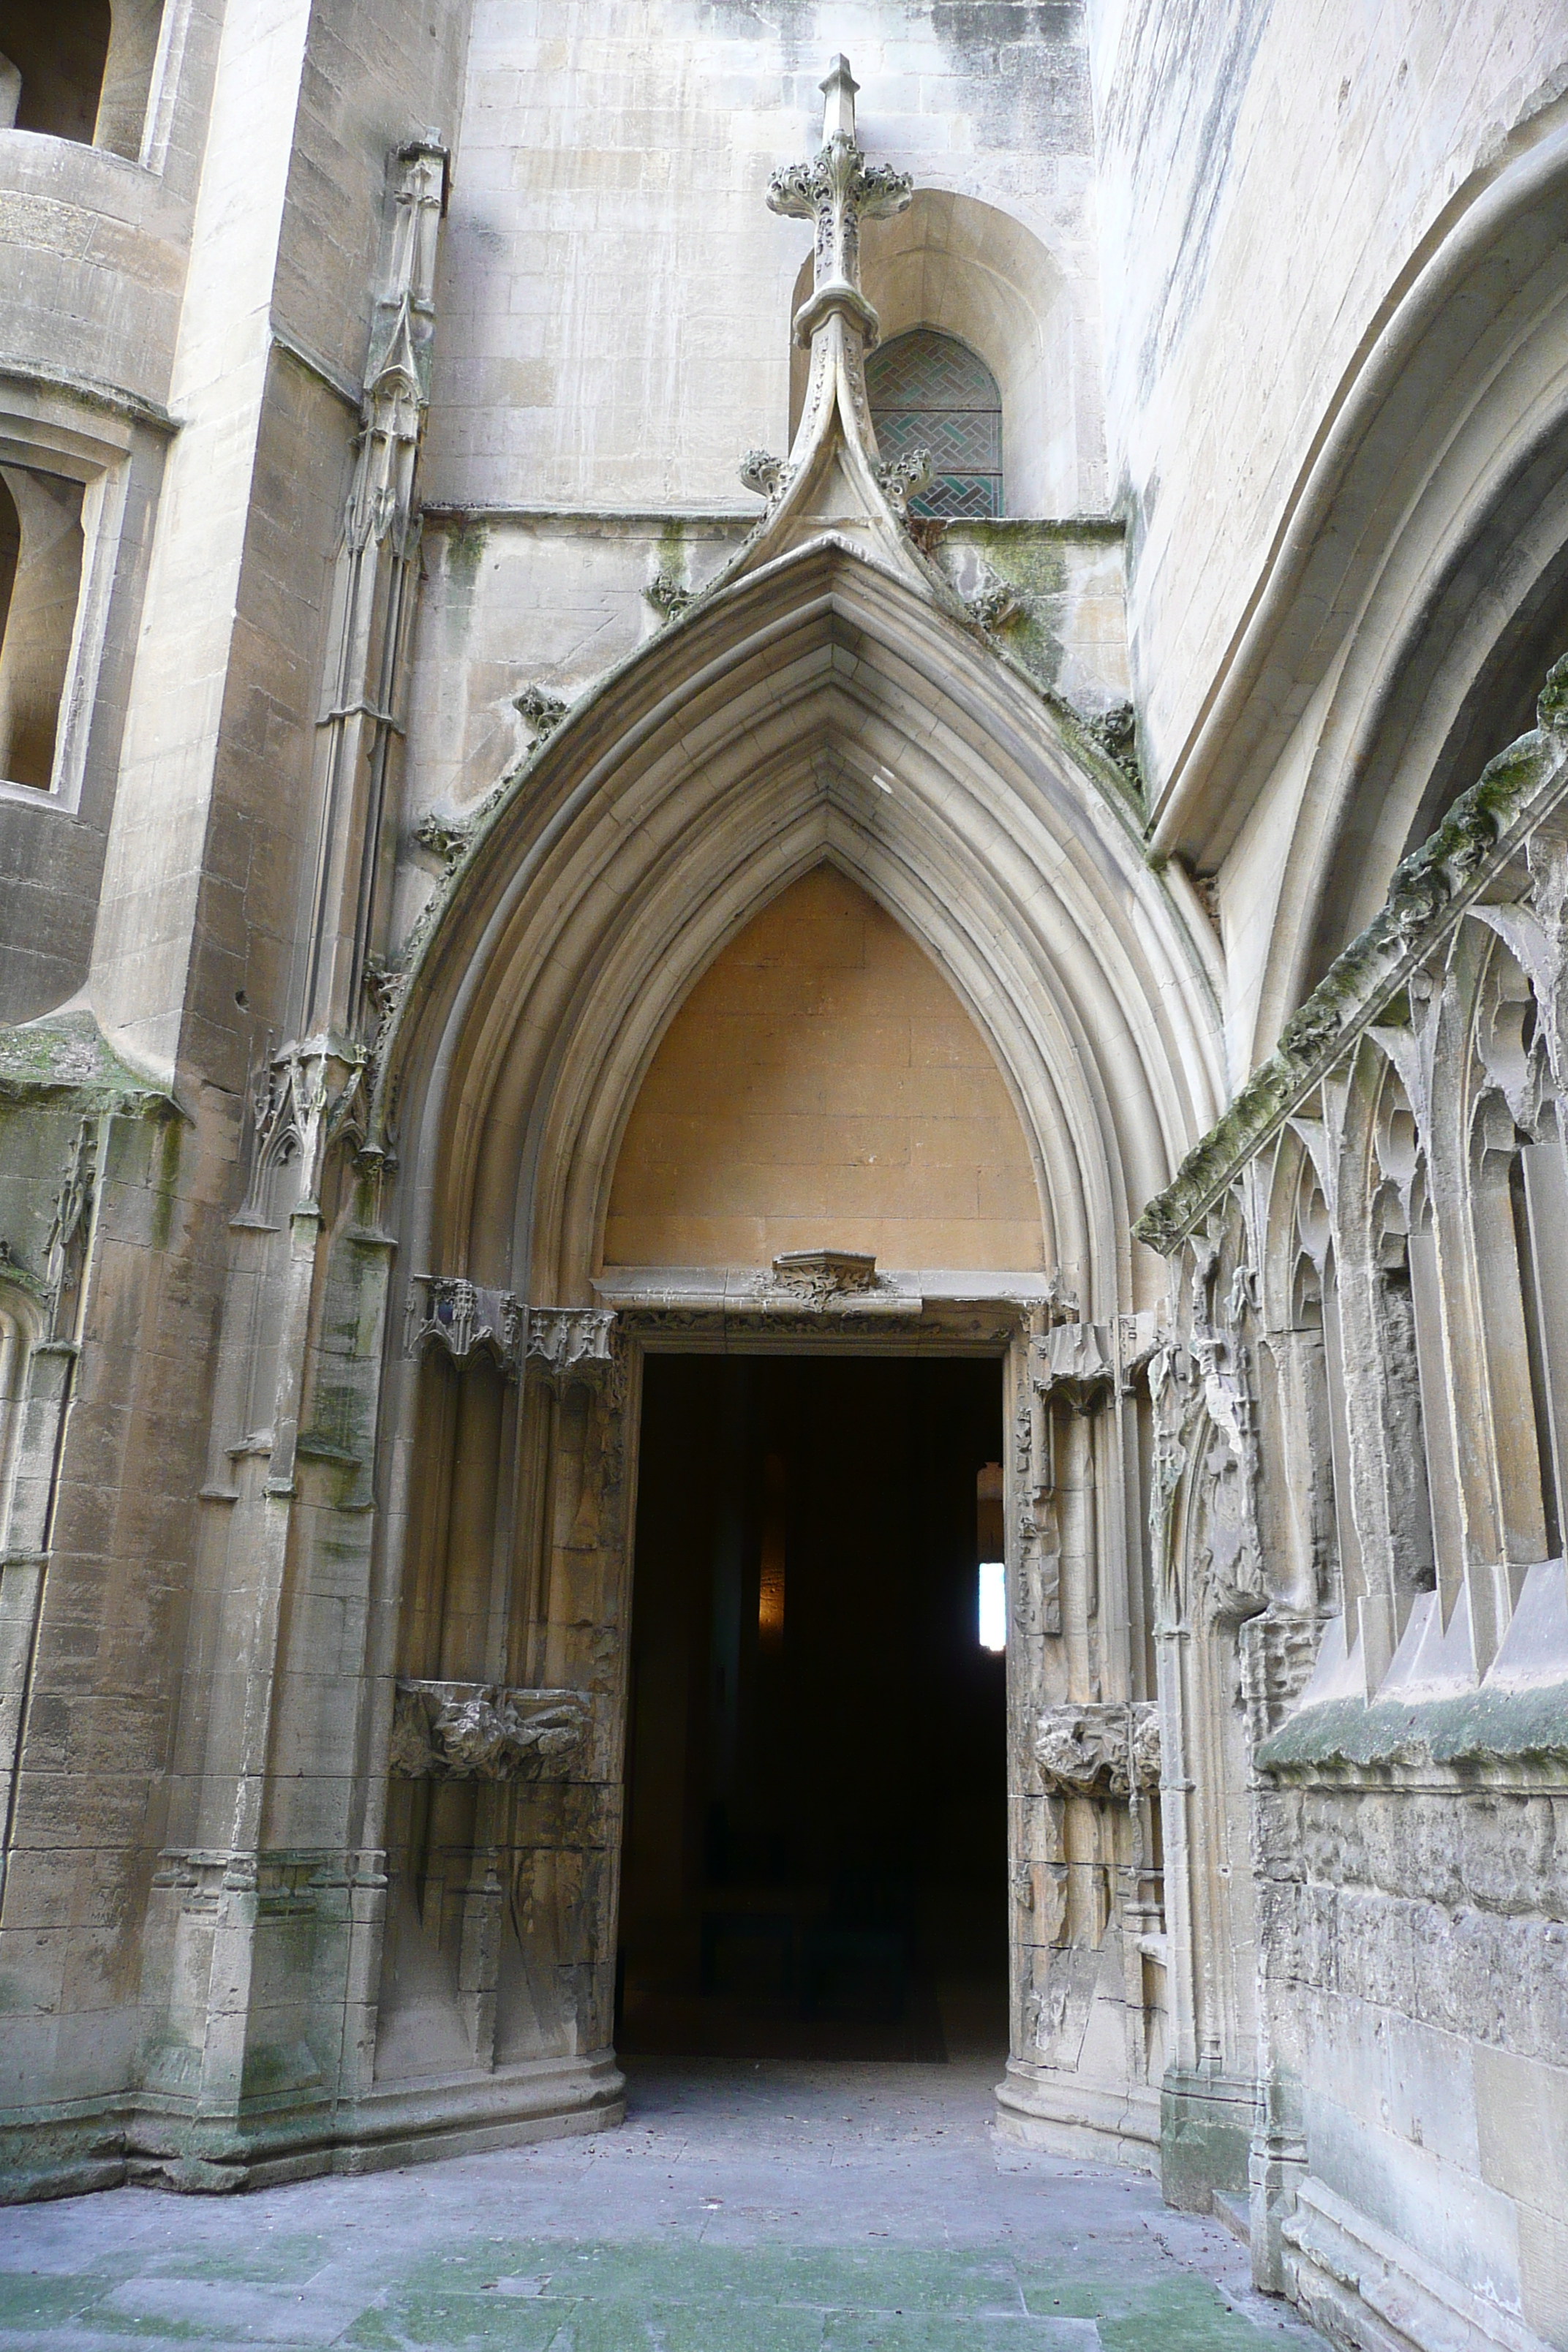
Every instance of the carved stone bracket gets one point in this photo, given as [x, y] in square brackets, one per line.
[815, 1277]
[1099, 1748]
[558, 1343]
[570, 1343]
[482, 1731]
[458, 1314]
[1075, 1364]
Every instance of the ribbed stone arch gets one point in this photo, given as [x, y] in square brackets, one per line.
[817, 708]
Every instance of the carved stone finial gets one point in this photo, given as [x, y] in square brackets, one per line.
[833, 479]
[839, 189]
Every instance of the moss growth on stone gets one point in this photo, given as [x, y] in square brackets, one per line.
[1475, 1727]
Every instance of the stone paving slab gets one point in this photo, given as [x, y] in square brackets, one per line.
[779, 2208]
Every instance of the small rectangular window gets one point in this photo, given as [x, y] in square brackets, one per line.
[993, 1604]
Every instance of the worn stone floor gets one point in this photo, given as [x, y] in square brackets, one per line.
[744, 2209]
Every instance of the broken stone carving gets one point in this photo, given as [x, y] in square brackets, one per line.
[667, 594]
[995, 604]
[482, 1731]
[1074, 1363]
[1099, 1748]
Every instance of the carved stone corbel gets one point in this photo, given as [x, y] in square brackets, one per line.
[817, 1277]
[460, 1317]
[1099, 1748]
[1074, 1364]
[483, 1731]
[570, 1343]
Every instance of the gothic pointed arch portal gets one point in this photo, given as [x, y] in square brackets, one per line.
[826, 716]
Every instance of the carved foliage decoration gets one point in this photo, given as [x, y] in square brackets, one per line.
[817, 1277]
[483, 1731]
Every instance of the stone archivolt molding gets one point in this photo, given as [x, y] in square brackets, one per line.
[1099, 1748]
[484, 1731]
[1484, 832]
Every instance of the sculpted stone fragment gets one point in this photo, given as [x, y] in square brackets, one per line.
[482, 1731]
[1099, 1748]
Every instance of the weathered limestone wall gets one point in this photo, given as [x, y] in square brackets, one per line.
[619, 296]
[822, 1081]
[1416, 1956]
[93, 250]
[1268, 175]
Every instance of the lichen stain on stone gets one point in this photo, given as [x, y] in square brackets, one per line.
[165, 1179]
[466, 541]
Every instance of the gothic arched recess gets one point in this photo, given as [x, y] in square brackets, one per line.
[827, 701]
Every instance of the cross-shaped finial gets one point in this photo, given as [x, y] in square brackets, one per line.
[836, 190]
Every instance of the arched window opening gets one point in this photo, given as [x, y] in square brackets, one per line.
[40, 580]
[81, 69]
[928, 391]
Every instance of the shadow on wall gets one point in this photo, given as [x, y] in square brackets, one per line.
[971, 272]
[79, 70]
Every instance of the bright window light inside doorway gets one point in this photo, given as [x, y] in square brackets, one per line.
[993, 1604]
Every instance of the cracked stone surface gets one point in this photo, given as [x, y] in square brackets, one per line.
[744, 2208]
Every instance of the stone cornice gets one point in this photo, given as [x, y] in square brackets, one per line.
[1431, 890]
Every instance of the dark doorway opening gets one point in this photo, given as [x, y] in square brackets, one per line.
[816, 1859]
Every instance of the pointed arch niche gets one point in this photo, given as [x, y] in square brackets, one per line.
[822, 1085]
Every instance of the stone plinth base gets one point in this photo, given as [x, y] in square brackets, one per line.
[157, 2147]
[1206, 2122]
[1364, 2288]
[1063, 2114]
